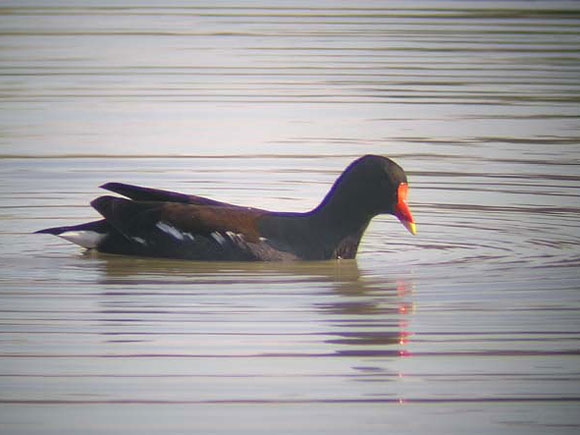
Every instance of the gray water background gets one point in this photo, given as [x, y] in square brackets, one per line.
[472, 326]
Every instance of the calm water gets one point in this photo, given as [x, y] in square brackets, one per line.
[472, 326]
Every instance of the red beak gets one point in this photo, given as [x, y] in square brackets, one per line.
[402, 209]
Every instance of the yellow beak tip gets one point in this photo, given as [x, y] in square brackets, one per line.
[411, 227]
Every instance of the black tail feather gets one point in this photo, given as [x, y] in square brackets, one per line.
[55, 231]
[139, 193]
[100, 226]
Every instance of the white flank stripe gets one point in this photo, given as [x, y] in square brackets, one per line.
[168, 229]
[140, 240]
[218, 238]
[235, 237]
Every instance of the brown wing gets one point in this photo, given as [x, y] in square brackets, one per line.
[139, 193]
[207, 219]
[171, 229]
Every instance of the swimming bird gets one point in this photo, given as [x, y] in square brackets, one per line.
[159, 223]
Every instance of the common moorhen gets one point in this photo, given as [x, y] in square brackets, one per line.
[159, 223]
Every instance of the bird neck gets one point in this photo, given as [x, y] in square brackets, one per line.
[342, 213]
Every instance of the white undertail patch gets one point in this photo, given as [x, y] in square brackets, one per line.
[86, 239]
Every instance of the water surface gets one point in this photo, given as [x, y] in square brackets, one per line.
[471, 326]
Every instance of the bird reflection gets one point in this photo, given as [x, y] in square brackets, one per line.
[371, 319]
[361, 314]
